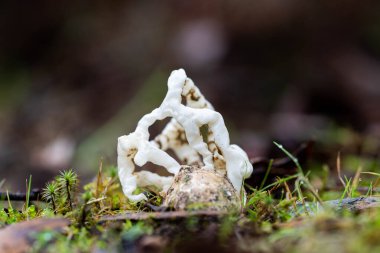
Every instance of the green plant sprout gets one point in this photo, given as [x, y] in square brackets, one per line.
[301, 178]
[50, 194]
[9, 202]
[28, 188]
[67, 181]
[266, 174]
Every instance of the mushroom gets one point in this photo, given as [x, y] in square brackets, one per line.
[207, 156]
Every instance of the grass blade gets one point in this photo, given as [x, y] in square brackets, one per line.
[266, 174]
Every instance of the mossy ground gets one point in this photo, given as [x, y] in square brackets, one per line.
[279, 216]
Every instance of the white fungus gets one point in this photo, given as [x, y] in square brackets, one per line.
[183, 136]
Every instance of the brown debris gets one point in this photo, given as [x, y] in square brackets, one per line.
[18, 238]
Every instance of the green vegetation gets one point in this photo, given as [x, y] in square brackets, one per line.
[287, 215]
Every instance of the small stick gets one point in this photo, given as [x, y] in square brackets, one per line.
[21, 196]
[161, 215]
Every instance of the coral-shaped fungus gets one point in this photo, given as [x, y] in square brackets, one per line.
[190, 112]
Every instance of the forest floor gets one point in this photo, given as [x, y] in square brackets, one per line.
[290, 208]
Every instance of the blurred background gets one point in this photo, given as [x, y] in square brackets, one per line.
[75, 75]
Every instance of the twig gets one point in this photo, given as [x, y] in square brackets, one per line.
[160, 215]
[21, 196]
